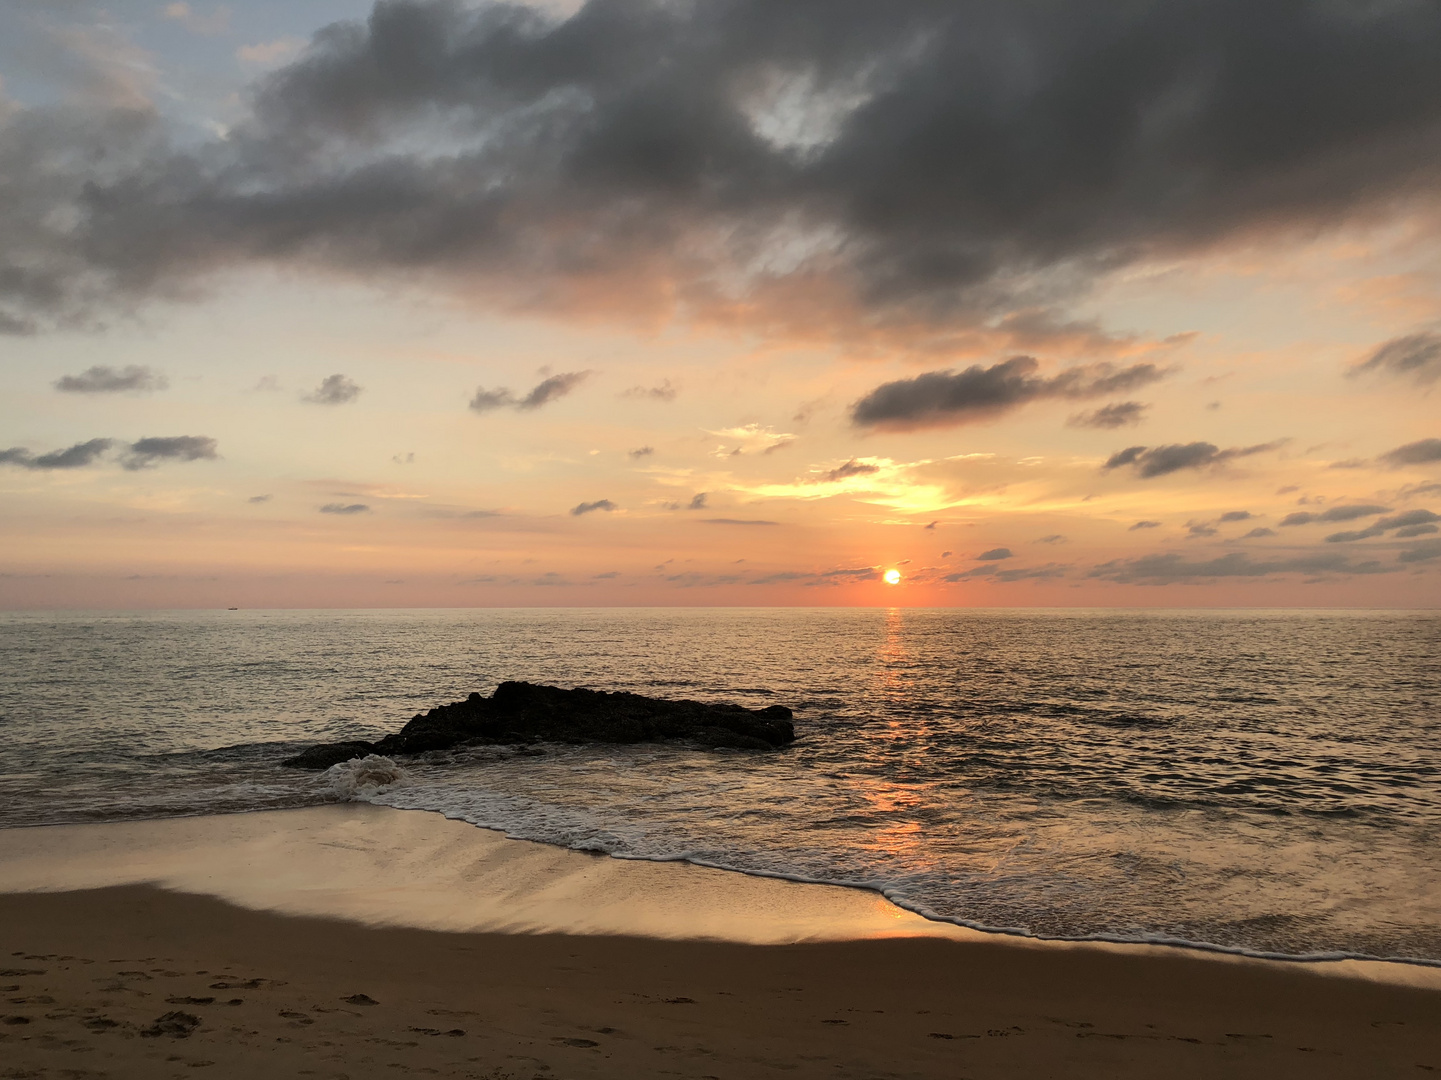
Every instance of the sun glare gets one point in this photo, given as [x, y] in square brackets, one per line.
[892, 577]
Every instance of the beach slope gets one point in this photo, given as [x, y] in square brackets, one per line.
[135, 980]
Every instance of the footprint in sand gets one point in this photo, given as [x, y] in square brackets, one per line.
[227, 983]
[177, 1025]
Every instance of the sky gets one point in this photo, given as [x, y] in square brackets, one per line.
[731, 302]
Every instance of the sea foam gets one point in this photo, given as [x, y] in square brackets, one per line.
[361, 779]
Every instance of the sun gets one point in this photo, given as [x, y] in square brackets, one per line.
[891, 577]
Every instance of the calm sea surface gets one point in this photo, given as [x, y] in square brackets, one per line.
[1269, 781]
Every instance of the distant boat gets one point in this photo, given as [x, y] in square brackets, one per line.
[232, 609]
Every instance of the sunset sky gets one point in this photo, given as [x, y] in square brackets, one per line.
[746, 303]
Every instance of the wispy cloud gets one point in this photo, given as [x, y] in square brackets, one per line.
[1166, 568]
[1108, 417]
[205, 23]
[751, 439]
[1335, 514]
[1415, 357]
[662, 391]
[266, 53]
[1152, 461]
[551, 389]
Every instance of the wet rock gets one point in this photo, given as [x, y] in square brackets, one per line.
[324, 756]
[521, 712]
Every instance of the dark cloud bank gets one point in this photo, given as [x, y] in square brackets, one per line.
[908, 166]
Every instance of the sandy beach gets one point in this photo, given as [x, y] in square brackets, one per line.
[141, 950]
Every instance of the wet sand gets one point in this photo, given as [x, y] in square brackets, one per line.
[269, 962]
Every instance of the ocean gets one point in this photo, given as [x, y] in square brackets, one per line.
[1261, 781]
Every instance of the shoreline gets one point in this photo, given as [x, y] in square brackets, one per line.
[355, 941]
[697, 900]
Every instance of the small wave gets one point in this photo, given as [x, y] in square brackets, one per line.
[360, 779]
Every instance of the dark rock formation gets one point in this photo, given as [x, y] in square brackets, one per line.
[328, 754]
[520, 712]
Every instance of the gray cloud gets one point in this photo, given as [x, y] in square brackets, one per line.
[1348, 512]
[1010, 574]
[551, 389]
[642, 451]
[345, 508]
[141, 454]
[259, 499]
[1054, 538]
[1144, 525]
[994, 555]
[1171, 568]
[1421, 452]
[74, 457]
[947, 398]
[1117, 414]
[147, 453]
[333, 390]
[1236, 515]
[818, 578]
[1257, 533]
[1409, 520]
[1152, 461]
[107, 380]
[930, 164]
[852, 468]
[663, 391]
[737, 521]
[1415, 530]
[1422, 552]
[697, 502]
[591, 507]
[1416, 357]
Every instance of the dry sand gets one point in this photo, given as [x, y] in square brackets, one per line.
[133, 980]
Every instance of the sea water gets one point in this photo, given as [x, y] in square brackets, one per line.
[1261, 781]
